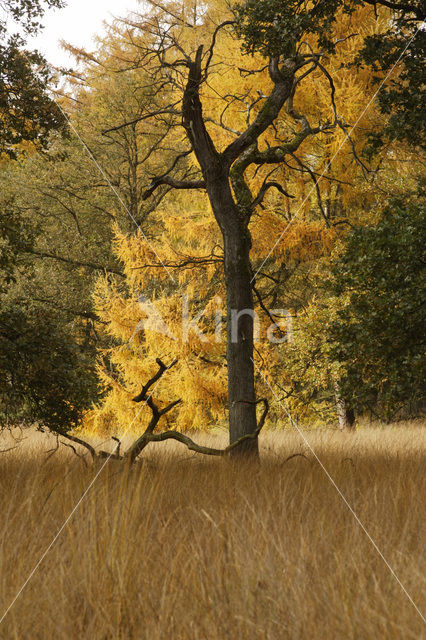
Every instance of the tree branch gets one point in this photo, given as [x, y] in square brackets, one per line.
[315, 180]
[175, 184]
[283, 79]
[79, 263]
[159, 5]
[162, 368]
[211, 49]
[265, 187]
[209, 451]
[400, 6]
[79, 441]
[164, 111]
[192, 115]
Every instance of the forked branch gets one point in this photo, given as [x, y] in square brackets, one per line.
[149, 436]
[209, 451]
[175, 184]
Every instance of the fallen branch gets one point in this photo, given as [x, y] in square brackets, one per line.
[193, 446]
[10, 449]
[83, 443]
[162, 368]
[295, 455]
[70, 446]
[149, 436]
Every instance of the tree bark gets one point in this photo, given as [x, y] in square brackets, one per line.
[239, 313]
[233, 224]
[239, 330]
[239, 353]
[345, 414]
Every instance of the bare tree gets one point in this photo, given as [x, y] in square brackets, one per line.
[177, 76]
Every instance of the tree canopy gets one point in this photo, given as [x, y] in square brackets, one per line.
[27, 111]
[378, 334]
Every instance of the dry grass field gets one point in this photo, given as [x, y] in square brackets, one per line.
[189, 548]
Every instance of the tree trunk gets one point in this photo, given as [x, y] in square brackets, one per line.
[239, 335]
[345, 414]
[233, 223]
[239, 315]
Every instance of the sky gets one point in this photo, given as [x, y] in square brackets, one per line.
[76, 24]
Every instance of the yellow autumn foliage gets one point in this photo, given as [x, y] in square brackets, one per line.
[176, 259]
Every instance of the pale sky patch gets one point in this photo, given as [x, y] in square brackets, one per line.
[77, 24]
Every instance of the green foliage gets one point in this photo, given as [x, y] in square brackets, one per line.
[27, 113]
[378, 335]
[275, 27]
[56, 239]
[401, 52]
[46, 374]
[16, 237]
[26, 12]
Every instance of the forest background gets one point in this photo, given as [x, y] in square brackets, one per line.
[337, 227]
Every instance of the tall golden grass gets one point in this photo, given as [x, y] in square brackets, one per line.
[189, 548]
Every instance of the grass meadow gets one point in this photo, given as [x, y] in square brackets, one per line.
[185, 547]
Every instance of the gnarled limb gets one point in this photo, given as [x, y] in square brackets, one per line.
[157, 413]
[175, 184]
[271, 184]
[209, 451]
[210, 52]
[283, 83]
[148, 436]
[162, 368]
[81, 442]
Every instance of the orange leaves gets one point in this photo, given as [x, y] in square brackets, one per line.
[301, 241]
[155, 327]
[296, 232]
